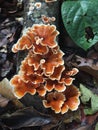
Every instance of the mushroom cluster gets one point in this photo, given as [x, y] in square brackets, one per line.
[43, 72]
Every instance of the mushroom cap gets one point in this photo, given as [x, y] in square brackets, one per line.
[48, 33]
[72, 72]
[61, 102]
[23, 43]
[21, 88]
[57, 72]
[39, 37]
[52, 60]
[54, 101]
[54, 84]
[72, 99]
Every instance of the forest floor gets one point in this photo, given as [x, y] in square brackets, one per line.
[11, 26]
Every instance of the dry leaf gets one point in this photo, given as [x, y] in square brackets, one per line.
[88, 65]
[93, 64]
[7, 92]
[3, 101]
[74, 116]
[86, 127]
[26, 117]
[6, 89]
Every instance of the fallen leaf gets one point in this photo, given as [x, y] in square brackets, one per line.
[6, 89]
[24, 118]
[86, 127]
[3, 101]
[87, 62]
[86, 94]
[80, 21]
[89, 97]
[7, 92]
[87, 65]
[35, 101]
[96, 127]
[74, 116]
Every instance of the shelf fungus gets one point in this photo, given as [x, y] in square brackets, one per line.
[54, 84]
[43, 72]
[21, 87]
[22, 44]
[38, 37]
[61, 102]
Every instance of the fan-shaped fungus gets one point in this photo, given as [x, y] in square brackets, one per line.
[42, 71]
[62, 102]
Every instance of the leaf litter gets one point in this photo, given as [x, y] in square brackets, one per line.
[86, 62]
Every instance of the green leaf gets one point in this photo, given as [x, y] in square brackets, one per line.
[96, 127]
[88, 111]
[87, 95]
[80, 20]
[94, 102]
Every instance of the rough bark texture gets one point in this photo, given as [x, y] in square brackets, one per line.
[50, 9]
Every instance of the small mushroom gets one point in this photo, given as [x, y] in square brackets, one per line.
[61, 102]
[54, 100]
[38, 5]
[23, 43]
[48, 33]
[72, 99]
[72, 72]
[21, 87]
